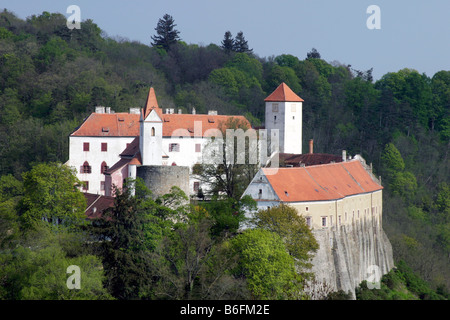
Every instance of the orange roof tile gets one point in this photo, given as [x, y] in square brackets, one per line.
[109, 125]
[127, 124]
[151, 103]
[282, 94]
[322, 182]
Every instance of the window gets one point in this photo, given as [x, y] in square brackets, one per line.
[293, 107]
[86, 146]
[104, 146]
[102, 185]
[259, 193]
[196, 186]
[174, 147]
[198, 147]
[274, 118]
[308, 221]
[274, 107]
[153, 131]
[103, 167]
[85, 168]
[85, 185]
[307, 209]
[339, 220]
[324, 221]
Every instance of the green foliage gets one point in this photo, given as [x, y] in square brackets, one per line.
[293, 230]
[266, 265]
[36, 269]
[166, 34]
[401, 283]
[52, 77]
[51, 193]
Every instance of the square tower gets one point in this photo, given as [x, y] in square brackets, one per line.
[284, 112]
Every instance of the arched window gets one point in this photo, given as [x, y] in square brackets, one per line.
[85, 168]
[103, 167]
[153, 131]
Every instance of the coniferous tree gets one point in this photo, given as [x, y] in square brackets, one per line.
[313, 54]
[166, 34]
[240, 44]
[125, 258]
[228, 42]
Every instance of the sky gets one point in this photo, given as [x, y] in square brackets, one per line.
[412, 34]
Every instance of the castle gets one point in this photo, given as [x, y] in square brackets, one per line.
[161, 146]
[339, 197]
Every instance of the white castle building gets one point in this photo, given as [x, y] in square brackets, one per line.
[108, 147]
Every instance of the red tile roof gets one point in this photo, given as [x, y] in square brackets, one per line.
[127, 124]
[151, 103]
[96, 204]
[108, 125]
[322, 182]
[283, 94]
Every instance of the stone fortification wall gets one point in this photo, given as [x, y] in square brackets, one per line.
[159, 179]
[351, 253]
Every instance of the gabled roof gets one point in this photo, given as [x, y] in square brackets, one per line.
[321, 182]
[187, 122]
[127, 124]
[96, 204]
[109, 125]
[283, 94]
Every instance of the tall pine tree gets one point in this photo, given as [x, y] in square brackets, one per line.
[122, 247]
[167, 35]
[240, 44]
[228, 42]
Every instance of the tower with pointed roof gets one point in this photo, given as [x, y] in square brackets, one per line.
[284, 113]
[150, 135]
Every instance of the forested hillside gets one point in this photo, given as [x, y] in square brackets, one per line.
[51, 78]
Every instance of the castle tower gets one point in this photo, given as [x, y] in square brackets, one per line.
[150, 139]
[284, 112]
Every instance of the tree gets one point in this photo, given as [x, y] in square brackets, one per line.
[266, 265]
[120, 232]
[36, 268]
[190, 264]
[313, 54]
[228, 42]
[285, 221]
[228, 166]
[51, 192]
[166, 34]
[240, 44]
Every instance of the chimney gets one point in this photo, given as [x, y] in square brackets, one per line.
[99, 109]
[193, 110]
[311, 146]
[212, 112]
[180, 111]
[344, 155]
[135, 111]
[108, 109]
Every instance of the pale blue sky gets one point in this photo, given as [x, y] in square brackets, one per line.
[414, 34]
